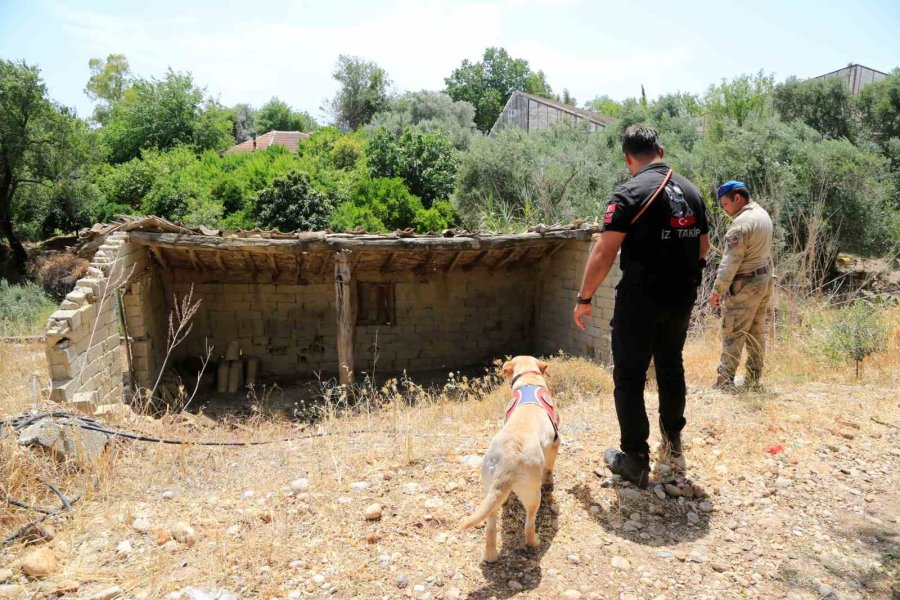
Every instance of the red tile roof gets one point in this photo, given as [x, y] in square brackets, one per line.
[289, 139]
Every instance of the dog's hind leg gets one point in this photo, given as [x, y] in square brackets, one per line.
[490, 539]
[549, 461]
[530, 497]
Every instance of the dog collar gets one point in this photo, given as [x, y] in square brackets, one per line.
[534, 394]
[516, 378]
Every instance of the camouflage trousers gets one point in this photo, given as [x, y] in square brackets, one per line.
[744, 323]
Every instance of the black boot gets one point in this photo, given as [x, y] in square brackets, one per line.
[630, 467]
[671, 451]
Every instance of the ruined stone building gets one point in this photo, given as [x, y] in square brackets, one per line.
[318, 304]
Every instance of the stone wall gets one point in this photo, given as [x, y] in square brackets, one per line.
[291, 329]
[451, 320]
[82, 337]
[555, 329]
[441, 321]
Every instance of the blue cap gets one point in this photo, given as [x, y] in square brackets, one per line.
[728, 187]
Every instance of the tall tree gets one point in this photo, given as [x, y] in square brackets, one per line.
[604, 105]
[741, 98]
[429, 111]
[280, 116]
[40, 143]
[162, 114]
[826, 105]
[363, 91]
[108, 82]
[488, 84]
[879, 107]
[244, 122]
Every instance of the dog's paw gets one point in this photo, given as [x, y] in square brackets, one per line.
[533, 541]
[490, 557]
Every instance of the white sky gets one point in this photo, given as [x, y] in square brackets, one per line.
[251, 51]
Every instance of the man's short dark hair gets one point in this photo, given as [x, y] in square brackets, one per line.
[740, 192]
[641, 140]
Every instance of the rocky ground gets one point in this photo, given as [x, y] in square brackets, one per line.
[800, 501]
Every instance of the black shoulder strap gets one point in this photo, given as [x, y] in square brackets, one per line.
[650, 200]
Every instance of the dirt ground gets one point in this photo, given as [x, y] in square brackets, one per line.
[801, 482]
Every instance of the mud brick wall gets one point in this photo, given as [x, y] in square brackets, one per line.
[147, 320]
[451, 320]
[555, 330]
[82, 337]
[291, 329]
[442, 321]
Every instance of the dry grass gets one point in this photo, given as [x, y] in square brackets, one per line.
[272, 542]
[17, 363]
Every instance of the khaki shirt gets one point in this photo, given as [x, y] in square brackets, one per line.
[748, 245]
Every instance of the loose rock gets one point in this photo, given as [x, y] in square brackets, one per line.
[298, 486]
[141, 524]
[373, 512]
[184, 534]
[40, 563]
[572, 595]
[402, 580]
[107, 594]
[619, 562]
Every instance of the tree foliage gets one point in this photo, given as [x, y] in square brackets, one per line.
[277, 115]
[605, 106]
[44, 152]
[425, 161]
[244, 125]
[879, 108]
[293, 203]
[826, 105]
[162, 114]
[741, 98]
[488, 84]
[108, 82]
[429, 112]
[363, 91]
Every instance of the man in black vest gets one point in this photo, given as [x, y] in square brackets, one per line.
[658, 219]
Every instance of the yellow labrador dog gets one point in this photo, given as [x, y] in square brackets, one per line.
[521, 456]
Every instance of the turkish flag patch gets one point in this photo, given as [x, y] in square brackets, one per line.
[682, 222]
[610, 211]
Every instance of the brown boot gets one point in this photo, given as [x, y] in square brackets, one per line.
[724, 382]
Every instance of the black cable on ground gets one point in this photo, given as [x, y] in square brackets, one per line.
[24, 529]
[20, 504]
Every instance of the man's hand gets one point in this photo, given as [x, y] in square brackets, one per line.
[581, 311]
[715, 299]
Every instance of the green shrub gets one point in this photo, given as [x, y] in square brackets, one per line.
[23, 309]
[854, 333]
[437, 218]
[292, 203]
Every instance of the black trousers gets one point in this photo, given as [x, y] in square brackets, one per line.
[642, 328]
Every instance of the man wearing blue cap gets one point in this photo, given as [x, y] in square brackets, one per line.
[658, 219]
[743, 284]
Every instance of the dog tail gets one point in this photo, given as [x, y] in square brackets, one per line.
[496, 496]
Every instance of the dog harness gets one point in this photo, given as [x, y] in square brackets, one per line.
[534, 394]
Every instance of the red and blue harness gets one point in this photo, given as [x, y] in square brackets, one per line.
[533, 394]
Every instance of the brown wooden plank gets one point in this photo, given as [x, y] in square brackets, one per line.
[454, 261]
[343, 286]
[386, 266]
[475, 262]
